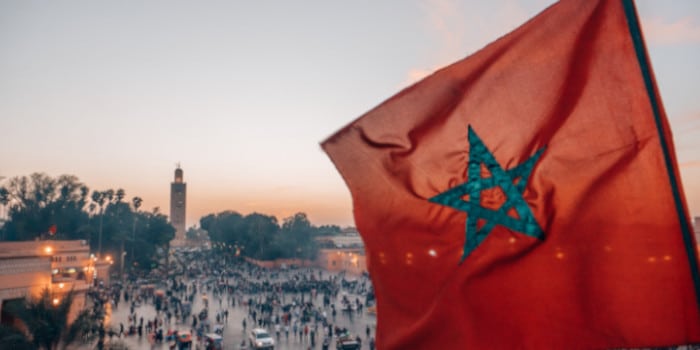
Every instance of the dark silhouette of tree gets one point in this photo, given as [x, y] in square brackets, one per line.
[100, 200]
[11, 338]
[261, 236]
[38, 202]
[47, 323]
[136, 202]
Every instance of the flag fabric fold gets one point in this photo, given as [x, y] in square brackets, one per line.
[608, 261]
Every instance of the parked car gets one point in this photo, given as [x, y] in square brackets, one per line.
[346, 342]
[260, 339]
[213, 341]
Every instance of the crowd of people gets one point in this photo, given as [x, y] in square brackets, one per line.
[202, 290]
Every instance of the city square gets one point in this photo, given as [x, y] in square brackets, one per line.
[286, 333]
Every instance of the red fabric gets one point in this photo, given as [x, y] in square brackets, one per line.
[52, 230]
[612, 270]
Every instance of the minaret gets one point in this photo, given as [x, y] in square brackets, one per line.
[178, 203]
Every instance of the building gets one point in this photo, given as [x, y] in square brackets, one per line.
[29, 267]
[344, 252]
[178, 205]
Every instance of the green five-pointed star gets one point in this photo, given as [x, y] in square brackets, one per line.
[512, 182]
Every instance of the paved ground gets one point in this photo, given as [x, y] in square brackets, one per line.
[233, 331]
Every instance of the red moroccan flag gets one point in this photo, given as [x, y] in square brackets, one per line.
[527, 196]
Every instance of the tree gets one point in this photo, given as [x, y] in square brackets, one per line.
[99, 199]
[4, 196]
[4, 200]
[261, 235]
[299, 234]
[14, 339]
[37, 202]
[47, 322]
[136, 202]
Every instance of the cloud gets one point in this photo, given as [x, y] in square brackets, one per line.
[657, 31]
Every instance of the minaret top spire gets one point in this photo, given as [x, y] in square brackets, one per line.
[178, 174]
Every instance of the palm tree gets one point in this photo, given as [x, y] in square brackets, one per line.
[136, 201]
[4, 200]
[14, 339]
[119, 195]
[46, 320]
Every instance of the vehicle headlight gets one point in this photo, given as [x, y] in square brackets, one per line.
[258, 343]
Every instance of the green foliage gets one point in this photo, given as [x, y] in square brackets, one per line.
[47, 323]
[14, 339]
[104, 218]
[259, 236]
[37, 202]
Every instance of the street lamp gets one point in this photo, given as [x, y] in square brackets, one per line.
[122, 267]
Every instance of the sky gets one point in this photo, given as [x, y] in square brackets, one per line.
[241, 93]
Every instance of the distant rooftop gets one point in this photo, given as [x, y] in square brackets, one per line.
[345, 240]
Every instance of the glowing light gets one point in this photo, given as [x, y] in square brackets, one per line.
[108, 258]
[55, 301]
[432, 253]
[667, 258]
[559, 255]
[48, 250]
[651, 259]
[61, 285]
[511, 240]
[409, 258]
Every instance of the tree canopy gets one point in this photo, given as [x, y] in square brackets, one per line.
[260, 236]
[40, 206]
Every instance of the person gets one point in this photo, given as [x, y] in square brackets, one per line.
[367, 331]
[371, 343]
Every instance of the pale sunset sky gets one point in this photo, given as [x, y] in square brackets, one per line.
[242, 92]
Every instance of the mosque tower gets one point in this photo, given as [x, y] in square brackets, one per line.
[178, 204]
